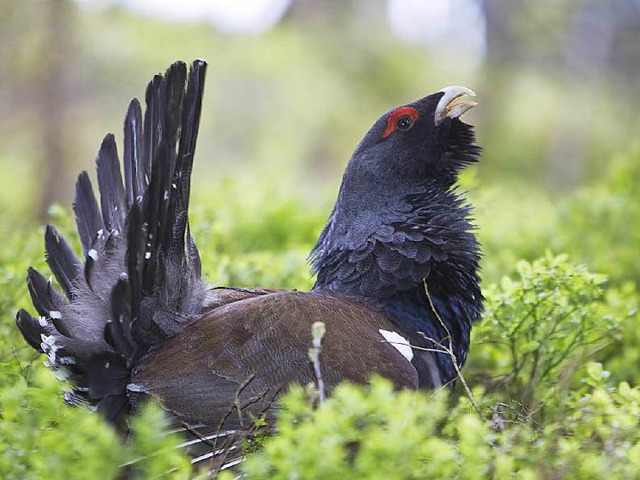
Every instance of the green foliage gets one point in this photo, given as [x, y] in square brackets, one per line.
[539, 328]
[261, 241]
[543, 410]
[515, 222]
[623, 357]
[374, 432]
[152, 451]
[370, 432]
[596, 436]
[605, 218]
[540, 409]
[553, 365]
[598, 226]
[40, 438]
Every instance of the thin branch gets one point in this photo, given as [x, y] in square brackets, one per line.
[317, 332]
[449, 350]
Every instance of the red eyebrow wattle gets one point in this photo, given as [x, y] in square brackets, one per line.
[395, 115]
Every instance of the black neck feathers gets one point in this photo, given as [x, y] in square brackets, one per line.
[420, 267]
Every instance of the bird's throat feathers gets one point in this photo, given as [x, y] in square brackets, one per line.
[421, 268]
[378, 253]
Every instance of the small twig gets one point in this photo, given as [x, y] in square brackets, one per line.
[317, 331]
[198, 435]
[449, 350]
[219, 457]
[236, 402]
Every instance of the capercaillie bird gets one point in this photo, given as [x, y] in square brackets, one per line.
[396, 270]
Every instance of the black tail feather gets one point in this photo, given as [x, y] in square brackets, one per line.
[178, 245]
[112, 197]
[63, 263]
[44, 297]
[88, 218]
[118, 331]
[151, 133]
[140, 282]
[46, 300]
[31, 329]
[134, 167]
[182, 177]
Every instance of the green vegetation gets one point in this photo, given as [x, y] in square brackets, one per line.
[553, 367]
[375, 433]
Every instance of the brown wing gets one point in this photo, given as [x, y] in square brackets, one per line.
[218, 296]
[248, 352]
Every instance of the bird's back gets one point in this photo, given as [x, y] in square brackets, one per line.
[253, 348]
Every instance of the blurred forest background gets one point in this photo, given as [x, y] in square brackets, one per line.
[294, 84]
[292, 87]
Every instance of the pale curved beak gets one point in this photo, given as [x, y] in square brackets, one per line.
[454, 103]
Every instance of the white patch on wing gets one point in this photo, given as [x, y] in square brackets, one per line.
[136, 387]
[399, 342]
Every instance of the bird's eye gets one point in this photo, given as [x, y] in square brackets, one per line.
[404, 123]
[402, 118]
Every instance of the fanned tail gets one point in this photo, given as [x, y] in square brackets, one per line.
[140, 281]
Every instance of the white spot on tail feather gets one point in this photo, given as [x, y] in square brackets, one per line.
[147, 255]
[399, 342]
[93, 254]
[71, 398]
[61, 375]
[43, 321]
[49, 347]
[55, 314]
